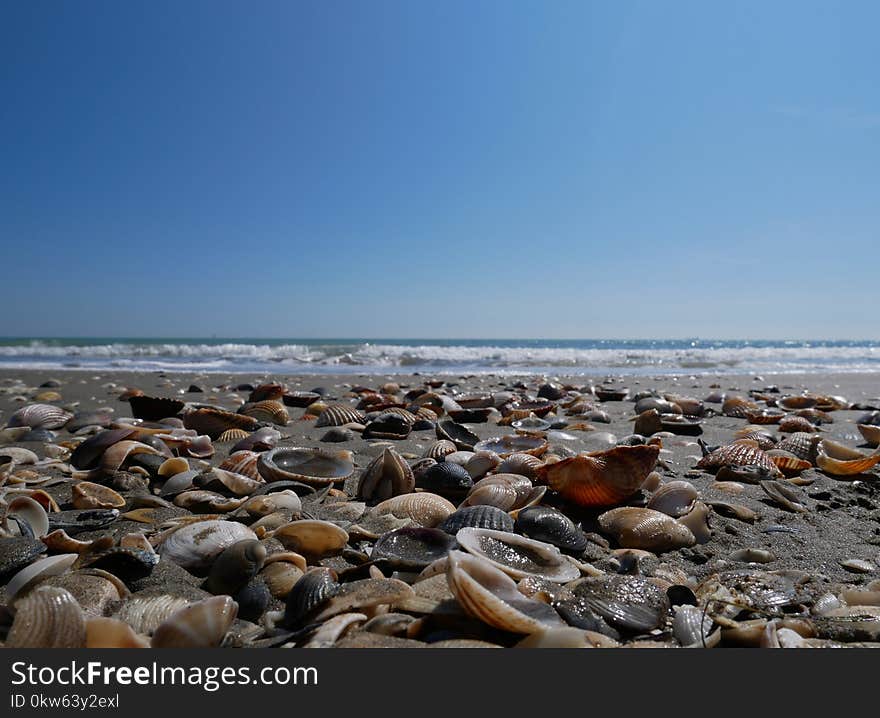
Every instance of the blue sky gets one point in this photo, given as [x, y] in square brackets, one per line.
[454, 169]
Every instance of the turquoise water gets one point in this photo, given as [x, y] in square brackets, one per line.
[589, 356]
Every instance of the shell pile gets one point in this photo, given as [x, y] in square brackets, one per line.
[472, 512]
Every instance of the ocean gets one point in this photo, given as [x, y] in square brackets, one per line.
[381, 356]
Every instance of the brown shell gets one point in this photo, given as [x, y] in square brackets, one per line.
[244, 463]
[790, 403]
[264, 392]
[407, 416]
[764, 417]
[839, 460]
[646, 529]
[523, 464]
[47, 617]
[232, 435]
[787, 462]
[738, 407]
[268, 410]
[870, 433]
[802, 445]
[387, 475]
[439, 449]
[87, 495]
[505, 446]
[794, 424]
[742, 452]
[754, 433]
[602, 478]
[214, 422]
[507, 492]
[340, 415]
[424, 508]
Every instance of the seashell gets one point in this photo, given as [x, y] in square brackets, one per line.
[531, 425]
[803, 445]
[792, 424]
[37, 571]
[129, 564]
[199, 447]
[516, 555]
[439, 449]
[790, 403]
[653, 403]
[425, 509]
[77, 521]
[386, 476]
[31, 512]
[568, 637]
[476, 400]
[178, 483]
[262, 439]
[742, 452]
[735, 511]
[548, 525]
[40, 416]
[206, 502]
[339, 415]
[232, 435]
[267, 392]
[648, 422]
[681, 425]
[839, 460]
[300, 399]
[629, 603]
[738, 407]
[17, 456]
[697, 520]
[89, 452]
[504, 446]
[337, 435]
[115, 456]
[237, 484]
[784, 496]
[472, 416]
[307, 596]
[752, 555]
[334, 629]
[146, 611]
[765, 416]
[675, 498]
[170, 467]
[602, 478]
[315, 467]
[691, 626]
[461, 436]
[481, 463]
[281, 571]
[522, 464]
[312, 538]
[739, 475]
[151, 408]
[202, 624]
[480, 517]
[93, 589]
[214, 422]
[112, 633]
[364, 594]
[195, 546]
[87, 495]
[788, 463]
[235, 566]
[268, 410]
[244, 463]
[870, 433]
[412, 549]
[48, 617]
[489, 595]
[83, 419]
[504, 491]
[646, 529]
[447, 479]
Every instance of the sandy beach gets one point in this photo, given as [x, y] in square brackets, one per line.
[832, 545]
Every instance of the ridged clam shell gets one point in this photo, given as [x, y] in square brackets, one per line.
[214, 422]
[764, 439]
[491, 596]
[307, 596]
[787, 462]
[425, 509]
[244, 463]
[339, 415]
[145, 612]
[646, 529]
[408, 416]
[281, 572]
[387, 475]
[742, 452]
[48, 617]
[195, 546]
[630, 603]
[516, 555]
[262, 439]
[544, 523]
[505, 446]
[738, 407]
[316, 467]
[231, 435]
[87, 495]
[267, 410]
[37, 571]
[479, 517]
[792, 424]
[463, 438]
[447, 479]
[674, 498]
[504, 491]
[802, 445]
[602, 478]
[200, 625]
[439, 449]
[40, 416]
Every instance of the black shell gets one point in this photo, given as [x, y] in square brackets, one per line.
[89, 452]
[447, 480]
[236, 565]
[630, 603]
[75, 521]
[461, 436]
[544, 523]
[307, 595]
[150, 408]
[478, 517]
[413, 548]
[128, 564]
[252, 601]
[300, 399]
[387, 426]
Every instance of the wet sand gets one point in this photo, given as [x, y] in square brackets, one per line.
[842, 521]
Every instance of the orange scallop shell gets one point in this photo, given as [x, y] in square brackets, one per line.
[602, 478]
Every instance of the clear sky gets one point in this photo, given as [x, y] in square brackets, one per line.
[444, 169]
